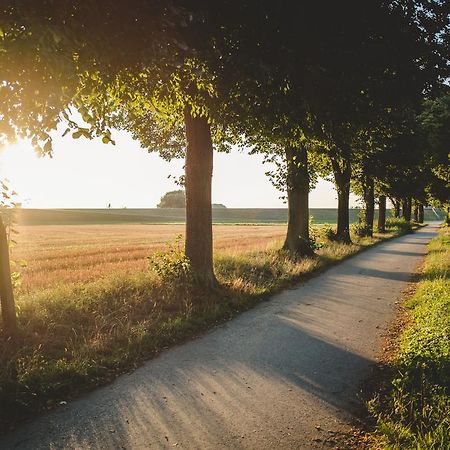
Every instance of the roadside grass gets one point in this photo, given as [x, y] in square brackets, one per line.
[415, 412]
[77, 336]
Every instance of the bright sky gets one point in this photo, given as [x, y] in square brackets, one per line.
[89, 174]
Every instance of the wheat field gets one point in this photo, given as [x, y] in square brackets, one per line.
[60, 254]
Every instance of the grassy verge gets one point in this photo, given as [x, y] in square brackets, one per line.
[415, 411]
[76, 337]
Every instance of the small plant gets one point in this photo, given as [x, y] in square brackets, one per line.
[314, 236]
[328, 232]
[399, 223]
[172, 266]
[360, 228]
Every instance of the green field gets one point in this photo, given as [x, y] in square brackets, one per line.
[173, 215]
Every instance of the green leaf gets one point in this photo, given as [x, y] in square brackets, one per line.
[77, 134]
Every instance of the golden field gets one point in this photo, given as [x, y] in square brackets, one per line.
[59, 254]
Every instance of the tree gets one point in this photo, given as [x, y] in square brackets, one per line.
[7, 302]
[173, 199]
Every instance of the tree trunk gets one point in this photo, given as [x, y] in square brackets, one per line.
[406, 209]
[342, 180]
[421, 213]
[382, 214]
[297, 237]
[6, 289]
[416, 212]
[198, 174]
[369, 200]
[447, 216]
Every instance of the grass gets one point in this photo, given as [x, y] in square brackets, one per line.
[80, 335]
[415, 412]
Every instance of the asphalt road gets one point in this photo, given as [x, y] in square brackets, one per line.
[285, 375]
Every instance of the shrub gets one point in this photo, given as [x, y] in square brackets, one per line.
[399, 223]
[172, 266]
[328, 232]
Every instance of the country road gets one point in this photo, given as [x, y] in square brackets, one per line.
[285, 375]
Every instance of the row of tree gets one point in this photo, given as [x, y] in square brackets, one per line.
[353, 92]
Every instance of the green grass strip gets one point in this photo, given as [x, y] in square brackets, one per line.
[416, 412]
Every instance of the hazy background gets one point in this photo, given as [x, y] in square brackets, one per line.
[89, 174]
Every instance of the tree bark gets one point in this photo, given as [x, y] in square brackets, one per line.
[382, 214]
[416, 212]
[198, 174]
[342, 177]
[421, 213]
[6, 289]
[406, 209]
[297, 237]
[369, 200]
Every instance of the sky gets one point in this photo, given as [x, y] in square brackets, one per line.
[89, 174]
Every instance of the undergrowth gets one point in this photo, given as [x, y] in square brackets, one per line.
[415, 413]
[77, 336]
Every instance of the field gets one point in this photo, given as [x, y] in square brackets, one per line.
[65, 246]
[175, 215]
[58, 254]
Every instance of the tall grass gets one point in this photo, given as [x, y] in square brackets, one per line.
[76, 336]
[416, 412]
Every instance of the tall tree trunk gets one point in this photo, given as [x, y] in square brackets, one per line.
[406, 209]
[198, 174]
[6, 289]
[342, 175]
[382, 214]
[369, 200]
[297, 237]
[416, 212]
[421, 213]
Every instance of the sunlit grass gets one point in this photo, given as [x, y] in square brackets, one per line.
[416, 413]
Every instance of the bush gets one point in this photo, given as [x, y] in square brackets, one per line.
[400, 224]
[328, 232]
[172, 266]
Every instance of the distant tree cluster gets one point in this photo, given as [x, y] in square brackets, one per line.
[350, 91]
[177, 199]
[173, 199]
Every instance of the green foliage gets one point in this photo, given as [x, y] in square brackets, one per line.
[328, 231]
[399, 223]
[415, 415]
[361, 228]
[173, 199]
[172, 266]
[315, 235]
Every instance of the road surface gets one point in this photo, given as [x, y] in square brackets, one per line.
[284, 375]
